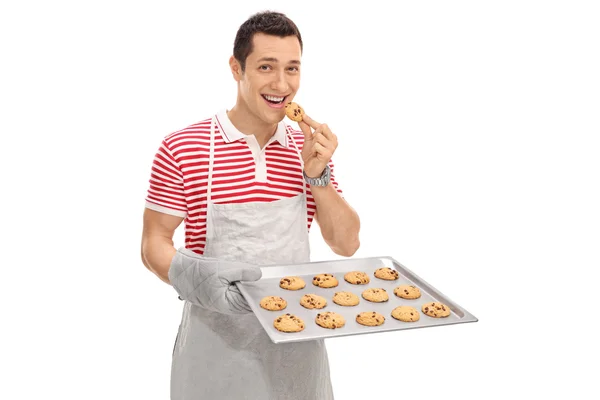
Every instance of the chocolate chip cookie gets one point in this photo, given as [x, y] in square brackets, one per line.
[435, 309]
[330, 320]
[387, 274]
[325, 281]
[292, 283]
[370, 318]
[288, 323]
[357, 278]
[407, 292]
[406, 314]
[375, 295]
[346, 299]
[311, 301]
[273, 303]
[294, 111]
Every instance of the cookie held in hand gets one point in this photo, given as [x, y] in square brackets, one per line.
[294, 112]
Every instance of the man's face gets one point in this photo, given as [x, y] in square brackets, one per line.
[272, 76]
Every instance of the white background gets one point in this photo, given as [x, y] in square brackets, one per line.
[468, 138]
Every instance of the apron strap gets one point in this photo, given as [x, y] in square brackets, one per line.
[300, 157]
[211, 157]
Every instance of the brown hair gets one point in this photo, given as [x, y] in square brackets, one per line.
[267, 22]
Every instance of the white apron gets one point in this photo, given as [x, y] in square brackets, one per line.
[230, 357]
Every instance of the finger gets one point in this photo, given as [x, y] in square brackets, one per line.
[236, 302]
[314, 124]
[321, 139]
[308, 134]
[330, 144]
[241, 274]
[327, 132]
[251, 274]
[322, 152]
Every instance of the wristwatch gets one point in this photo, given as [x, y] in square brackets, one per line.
[323, 180]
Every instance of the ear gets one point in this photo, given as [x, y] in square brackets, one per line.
[236, 68]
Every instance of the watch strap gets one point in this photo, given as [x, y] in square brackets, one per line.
[323, 180]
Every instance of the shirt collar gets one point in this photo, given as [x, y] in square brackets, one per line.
[231, 134]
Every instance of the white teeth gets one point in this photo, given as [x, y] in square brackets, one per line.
[273, 98]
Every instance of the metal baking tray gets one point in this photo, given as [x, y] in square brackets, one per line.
[268, 285]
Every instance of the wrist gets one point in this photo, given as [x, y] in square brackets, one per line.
[321, 180]
[313, 175]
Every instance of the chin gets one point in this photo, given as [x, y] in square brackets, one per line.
[274, 118]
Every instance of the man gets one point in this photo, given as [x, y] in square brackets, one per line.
[248, 187]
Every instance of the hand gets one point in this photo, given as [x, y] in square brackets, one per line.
[318, 147]
[210, 283]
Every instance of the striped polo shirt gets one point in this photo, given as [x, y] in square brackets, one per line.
[242, 173]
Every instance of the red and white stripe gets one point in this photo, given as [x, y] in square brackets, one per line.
[178, 180]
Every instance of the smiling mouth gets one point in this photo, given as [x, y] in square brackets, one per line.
[274, 99]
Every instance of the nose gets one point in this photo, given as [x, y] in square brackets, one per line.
[280, 83]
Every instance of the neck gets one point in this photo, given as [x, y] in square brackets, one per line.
[249, 124]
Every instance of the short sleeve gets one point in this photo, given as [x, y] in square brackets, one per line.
[166, 192]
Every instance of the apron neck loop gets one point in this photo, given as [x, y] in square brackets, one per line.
[211, 157]
[300, 157]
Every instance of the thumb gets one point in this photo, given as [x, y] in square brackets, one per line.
[251, 274]
[241, 274]
[308, 135]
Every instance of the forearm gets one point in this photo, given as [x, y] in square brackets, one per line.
[339, 223]
[157, 254]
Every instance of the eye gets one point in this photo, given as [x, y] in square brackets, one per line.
[264, 67]
[294, 69]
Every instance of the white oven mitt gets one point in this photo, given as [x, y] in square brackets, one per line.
[209, 282]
